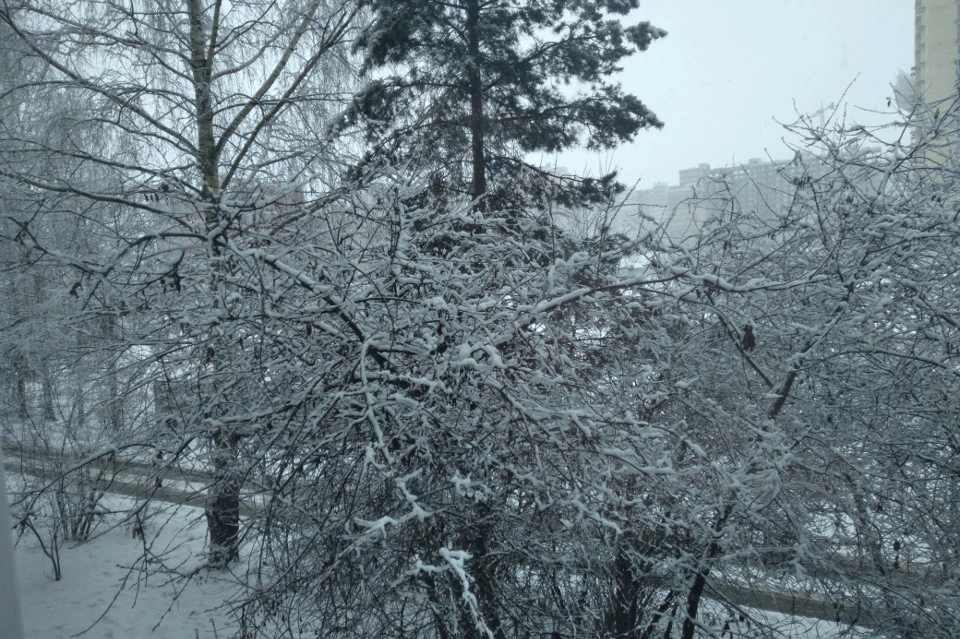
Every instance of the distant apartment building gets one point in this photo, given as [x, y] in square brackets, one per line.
[936, 49]
[703, 193]
[936, 77]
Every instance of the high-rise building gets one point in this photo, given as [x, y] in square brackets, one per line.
[936, 49]
[936, 77]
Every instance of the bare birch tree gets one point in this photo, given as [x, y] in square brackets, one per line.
[185, 116]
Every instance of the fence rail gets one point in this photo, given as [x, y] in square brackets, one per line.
[167, 483]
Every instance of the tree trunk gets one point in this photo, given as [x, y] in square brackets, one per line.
[693, 604]
[49, 414]
[482, 569]
[700, 581]
[23, 403]
[479, 185]
[223, 506]
[201, 66]
[624, 616]
[114, 402]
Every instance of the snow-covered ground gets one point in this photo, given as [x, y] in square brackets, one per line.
[105, 591]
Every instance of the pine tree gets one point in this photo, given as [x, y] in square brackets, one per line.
[469, 87]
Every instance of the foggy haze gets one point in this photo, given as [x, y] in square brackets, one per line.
[728, 71]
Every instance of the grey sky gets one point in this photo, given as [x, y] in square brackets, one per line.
[729, 67]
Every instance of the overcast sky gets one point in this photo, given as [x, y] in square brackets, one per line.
[729, 68]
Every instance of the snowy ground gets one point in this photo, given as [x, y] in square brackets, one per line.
[98, 584]
[106, 594]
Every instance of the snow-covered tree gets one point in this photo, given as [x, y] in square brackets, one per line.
[191, 116]
[465, 90]
[457, 419]
[437, 454]
[812, 385]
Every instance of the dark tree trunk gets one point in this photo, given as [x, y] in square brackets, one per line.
[49, 414]
[482, 568]
[114, 407]
[624, 616]
[700, 581]
[23, 403]
[479, 185]
[693, 604]
[223, 506]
